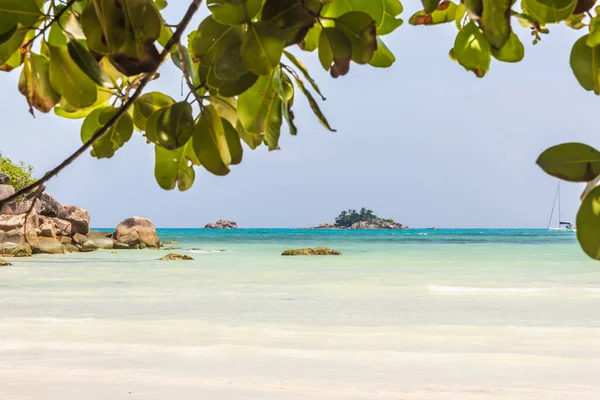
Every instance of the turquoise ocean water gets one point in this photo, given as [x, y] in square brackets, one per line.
[417, 314]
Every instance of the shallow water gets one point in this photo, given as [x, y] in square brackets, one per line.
[470, 314]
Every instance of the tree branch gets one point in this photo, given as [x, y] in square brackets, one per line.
[48, 25]
[143, 82]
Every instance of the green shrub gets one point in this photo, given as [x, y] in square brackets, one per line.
[20, 174]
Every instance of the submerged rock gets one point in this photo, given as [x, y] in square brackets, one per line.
[315, 251]
[137, 231]
[175, 257]
[221, 224]
[120, 246]
[169, 242]
[89, 246]
[49, 245]
[79, 238]
[71, 248]
[65, 239]
[101, 240]
[15, 250]
[4, 263]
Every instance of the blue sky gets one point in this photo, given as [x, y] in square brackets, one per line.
[423, 142]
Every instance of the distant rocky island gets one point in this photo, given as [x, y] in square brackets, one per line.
[222, 224]
[363, 219]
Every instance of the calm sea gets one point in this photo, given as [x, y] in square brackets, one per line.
[418, 314]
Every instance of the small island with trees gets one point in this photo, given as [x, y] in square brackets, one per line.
[363, 219]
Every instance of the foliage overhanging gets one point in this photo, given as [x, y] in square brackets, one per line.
[90, 60]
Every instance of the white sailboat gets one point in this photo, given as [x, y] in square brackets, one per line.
[562, 225]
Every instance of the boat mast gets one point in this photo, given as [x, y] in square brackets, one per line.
[553, 205]
[558, 196]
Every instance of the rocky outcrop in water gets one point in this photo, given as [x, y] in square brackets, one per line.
[176, 257]
[222, 224]
[51, 228]
[372, 224]
[315, 251]
[137, 232]
[377, 224]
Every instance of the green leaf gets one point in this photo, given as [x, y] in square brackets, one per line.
[6, 35]
[294, 17]
[573, 162]
[298, 64]
[585, 63]
[68, 26]
[512, 51]
[13, 12]
[151, 127]
[335, 51]
[34, 84]
[286, 92]
[12, 46]
[259, 110]
[145, 105]
[361, 30]
[474, 9]
[461, 10]
[65, 110]
[88, 64]
[384, 12]
[445, 12]
[575, 21]
[472, 50]
[495, 22]
[430, 5]
[254, 104]
[588, 224]
[212, 39]
[174, 125]
[314, 105]
[93, 30]
[234, 12]
[227, 108]
[230, 66]
[262, 47]
[233, 142]
[114, 138]
[593, 38]
[175, 167]
[311, 40]
[126, 30]
[383, 57]
[161, 4]
[69, 80]
[104, 26]
[389, 22]
[210, 143]
[237, 87]
[549, 11]
[143, 24]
